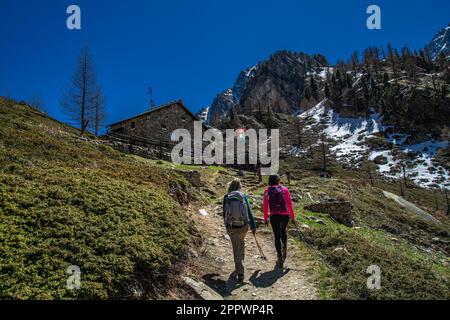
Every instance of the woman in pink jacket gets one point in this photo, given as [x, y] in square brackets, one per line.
[277, 206]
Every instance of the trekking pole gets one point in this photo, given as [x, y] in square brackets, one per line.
[259, 248]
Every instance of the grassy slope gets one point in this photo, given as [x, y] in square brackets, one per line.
[65, 201]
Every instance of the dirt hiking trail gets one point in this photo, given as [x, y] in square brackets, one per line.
[214, 263]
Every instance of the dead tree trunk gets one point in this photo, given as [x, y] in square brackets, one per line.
[402, 190]
[369, 171]
[436, 203]
[310, 149]
[404, 174]
[83, 99]
[324, 156]
[299, 135]
[448, 203]
[78, 97]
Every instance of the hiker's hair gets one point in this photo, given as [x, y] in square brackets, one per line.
[274, 180]
[234, 185]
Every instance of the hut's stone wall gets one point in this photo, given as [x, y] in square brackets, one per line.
[158, 124]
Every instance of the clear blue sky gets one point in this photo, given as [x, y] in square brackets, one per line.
[187, 49]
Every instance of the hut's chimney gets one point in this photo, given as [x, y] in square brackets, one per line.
[150, 93]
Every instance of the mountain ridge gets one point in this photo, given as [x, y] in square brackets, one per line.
[440, 43]
[408, 91]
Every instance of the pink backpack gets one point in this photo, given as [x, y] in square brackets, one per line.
[277, 203]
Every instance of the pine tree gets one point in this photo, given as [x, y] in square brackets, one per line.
[355, 61]
[385, 80]
[365, 89]
[375, 56]
[442, 61]
[428, 58]
[307, 94]
[349, 81]
[444, 90]
[327, 90]
[313, 87]
[397, 57]
[383, 53]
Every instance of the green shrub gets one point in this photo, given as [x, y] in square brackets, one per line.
[65, 201]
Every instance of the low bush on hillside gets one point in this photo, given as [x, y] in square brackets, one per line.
[65, 201]
[405, 273]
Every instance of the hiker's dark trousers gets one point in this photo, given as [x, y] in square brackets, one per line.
[279, 224]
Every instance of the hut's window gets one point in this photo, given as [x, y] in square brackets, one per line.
[133, 125]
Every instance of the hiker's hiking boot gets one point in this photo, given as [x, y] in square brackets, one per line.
[240, 278]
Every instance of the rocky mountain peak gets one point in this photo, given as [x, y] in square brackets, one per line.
[376, 109]
[440, 43]
[229, 98]
[277, 83]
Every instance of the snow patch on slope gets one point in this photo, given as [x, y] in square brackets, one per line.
[440, 43]
[203, 114]
[322, 72]
[347, 134]
[351, 133]
[421, 169]
[349, 143]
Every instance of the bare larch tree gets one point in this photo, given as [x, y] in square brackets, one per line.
[99, 113]
[37, 102]
[78, 97]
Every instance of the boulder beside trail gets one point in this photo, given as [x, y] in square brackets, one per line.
[202, 290]
[294, 232]
[338, 210]
[410, 206]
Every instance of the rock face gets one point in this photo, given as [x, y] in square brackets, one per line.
[357, 108]
[220, 107]
[277, 83]
[338, 210]
[228, 99]
[440, 43]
